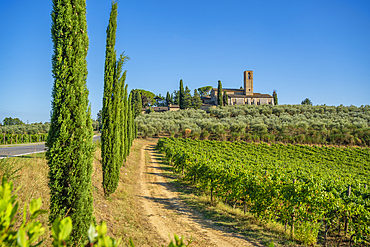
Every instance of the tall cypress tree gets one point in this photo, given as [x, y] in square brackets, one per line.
[123, 102]
[119, 101]
[70, 148]
[129, 124]
[225, 99]
[176, 97]
[181, 95]
[125, 123]
[219, 94]
[137, 102]
[169, 100]
[274, 94]
[132, 126]
[109, 112]
[196, 100]
[187, 98]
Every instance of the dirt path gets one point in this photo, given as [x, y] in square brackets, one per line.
[169, 215]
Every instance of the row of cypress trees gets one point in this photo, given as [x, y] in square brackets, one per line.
[184, 98]
[70, 147]
[117, 113]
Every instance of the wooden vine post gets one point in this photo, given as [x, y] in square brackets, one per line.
[293, 218]
[346, 219]
[211, 190]
[245, 204]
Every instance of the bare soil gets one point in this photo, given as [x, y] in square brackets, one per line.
[168, 214]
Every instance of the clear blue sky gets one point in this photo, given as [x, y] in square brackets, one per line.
[316, 49]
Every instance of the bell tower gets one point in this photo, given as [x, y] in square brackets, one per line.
[248, 82]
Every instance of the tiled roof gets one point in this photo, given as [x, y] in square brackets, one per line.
[229, 89]
[255, 95]
[156, 108]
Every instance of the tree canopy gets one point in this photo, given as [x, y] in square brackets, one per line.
[12, 121]
[147, 97]
[204, 91]
[159, 100]
[306, 101]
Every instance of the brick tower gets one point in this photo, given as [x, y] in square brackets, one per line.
[248, 82]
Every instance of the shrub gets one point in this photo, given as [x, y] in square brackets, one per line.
[31, 229]
[235, 136]
[186, 132]
[204, 135]
[195, 135]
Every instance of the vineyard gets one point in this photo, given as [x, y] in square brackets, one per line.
[22, 138]
[311, 190]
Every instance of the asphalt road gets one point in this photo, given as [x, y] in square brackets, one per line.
[26, 149]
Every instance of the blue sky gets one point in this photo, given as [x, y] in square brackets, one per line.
[316, 49]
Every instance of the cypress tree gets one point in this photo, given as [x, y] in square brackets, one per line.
[168, 99]
[176, 97]
[70, 148]
[125, 123]
[109, 130]
[219, 94]
[123, 102]
[132, 126]
[197, 101]
[274, 94]
[181, 96]
[187, 98]
[129, 124]
[137, 102]
[225, 99]
[119, 98]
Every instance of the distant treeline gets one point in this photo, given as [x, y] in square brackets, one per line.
[305, 124]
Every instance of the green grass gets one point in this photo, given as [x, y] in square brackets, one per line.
[36, 155]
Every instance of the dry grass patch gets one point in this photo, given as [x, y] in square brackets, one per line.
[121, 211]
[29, 176]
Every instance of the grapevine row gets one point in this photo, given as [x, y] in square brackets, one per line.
[22, 138]
[308, 189]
